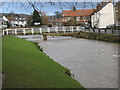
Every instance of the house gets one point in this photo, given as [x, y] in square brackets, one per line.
[3, 23]
[103, 15]
[78, 16]
[54, 21]
[117, 14]
[16, 21]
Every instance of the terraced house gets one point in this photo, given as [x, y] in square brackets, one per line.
[16, 21]
[81, 17]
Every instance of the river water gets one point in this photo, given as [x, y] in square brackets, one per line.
[93, 63]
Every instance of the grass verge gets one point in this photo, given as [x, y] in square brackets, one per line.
[27, 67]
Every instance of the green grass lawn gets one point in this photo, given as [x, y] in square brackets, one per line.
[27, 67]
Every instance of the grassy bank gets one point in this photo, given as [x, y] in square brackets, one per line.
[98, 36]
[93, 36]
[27, 67]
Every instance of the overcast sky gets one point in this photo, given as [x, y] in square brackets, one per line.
[17, 7]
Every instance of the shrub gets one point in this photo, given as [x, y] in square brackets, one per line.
[38, 46]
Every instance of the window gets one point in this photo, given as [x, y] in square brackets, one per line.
[77, 18]
[65, 19]
[68, 18]
[84, 18]
[81, 18]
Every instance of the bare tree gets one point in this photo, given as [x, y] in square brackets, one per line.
[44, 19]
[39, 5]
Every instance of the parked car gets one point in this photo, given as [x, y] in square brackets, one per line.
[44, 26]
[37, 23]
[87, 26]
[111, 26]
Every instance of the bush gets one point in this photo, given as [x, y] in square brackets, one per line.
[70, 23]
[69, 73]
[38, 46]
[49, 25]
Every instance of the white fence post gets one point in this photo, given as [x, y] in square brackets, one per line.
[56, 29]
[83, 29]
[63, 29]
[40, 30]
[32, 30]
[3, 32]
[72, 28]
[15, 31]
[7, 32]
[24, 31]
[48, 29]
[78, 28]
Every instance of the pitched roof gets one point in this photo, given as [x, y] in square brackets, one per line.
[101, 5]
[16, 19]
[11, 18]
[82, 12]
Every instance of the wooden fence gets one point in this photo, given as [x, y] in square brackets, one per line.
[41, 30]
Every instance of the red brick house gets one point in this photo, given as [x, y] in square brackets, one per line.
[79, 16]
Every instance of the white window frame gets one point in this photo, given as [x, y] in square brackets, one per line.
[77, 18]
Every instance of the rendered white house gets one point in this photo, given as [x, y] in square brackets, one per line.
[103, 17]
[3, 21]
[16, 22]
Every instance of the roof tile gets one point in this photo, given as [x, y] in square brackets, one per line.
[82, 12]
